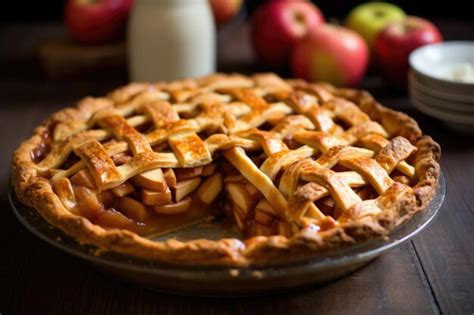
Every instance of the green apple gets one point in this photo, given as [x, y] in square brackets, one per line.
[368, 19]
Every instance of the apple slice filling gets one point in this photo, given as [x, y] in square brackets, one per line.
[161, 201]
[155, 202]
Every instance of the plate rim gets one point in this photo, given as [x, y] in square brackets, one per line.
[440, 114]
[443, 104]
[439, 80]
[467, 100]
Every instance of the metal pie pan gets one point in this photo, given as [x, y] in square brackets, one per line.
[225, 281]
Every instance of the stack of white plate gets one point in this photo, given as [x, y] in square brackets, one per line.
[441, 83]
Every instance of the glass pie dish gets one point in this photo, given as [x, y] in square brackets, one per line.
[219, 280]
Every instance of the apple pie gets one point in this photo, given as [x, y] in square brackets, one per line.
[298, 168]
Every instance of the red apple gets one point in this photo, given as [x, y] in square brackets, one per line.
[97, 21]
[331, 53]
[395, 43]
[225, 10]
[278, 25]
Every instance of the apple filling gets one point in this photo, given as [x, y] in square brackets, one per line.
[155, 202]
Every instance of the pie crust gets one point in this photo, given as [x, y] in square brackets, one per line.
[298, 167]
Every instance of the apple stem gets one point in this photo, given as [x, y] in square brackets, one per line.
[299, 18]
[379, 13]
[88, 1]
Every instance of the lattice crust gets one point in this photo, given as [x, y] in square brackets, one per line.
[301, 167]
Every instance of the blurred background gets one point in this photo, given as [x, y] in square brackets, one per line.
[37, 42]
[53, 9]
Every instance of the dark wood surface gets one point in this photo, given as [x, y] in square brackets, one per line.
[432, 273]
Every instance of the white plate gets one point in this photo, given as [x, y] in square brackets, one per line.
[435, 61]
[441, 114]
[418, 83]
[446, 88]
[449, 106]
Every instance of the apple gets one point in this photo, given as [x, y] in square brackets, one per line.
[278, 25]
[368, 19]
[97, 21]
[331, 53]
[395, 43]
[225, 10]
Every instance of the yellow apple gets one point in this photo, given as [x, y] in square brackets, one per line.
[369, 19]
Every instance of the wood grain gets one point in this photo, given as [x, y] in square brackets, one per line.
[431, 274]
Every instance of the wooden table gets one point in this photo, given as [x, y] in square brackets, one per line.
[432, 273]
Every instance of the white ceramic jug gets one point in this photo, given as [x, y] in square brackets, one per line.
[171, 39]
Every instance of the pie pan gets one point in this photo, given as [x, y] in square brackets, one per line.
[225, 281]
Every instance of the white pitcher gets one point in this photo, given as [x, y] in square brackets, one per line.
[170, 40]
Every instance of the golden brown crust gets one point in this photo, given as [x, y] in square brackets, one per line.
[38, 193]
